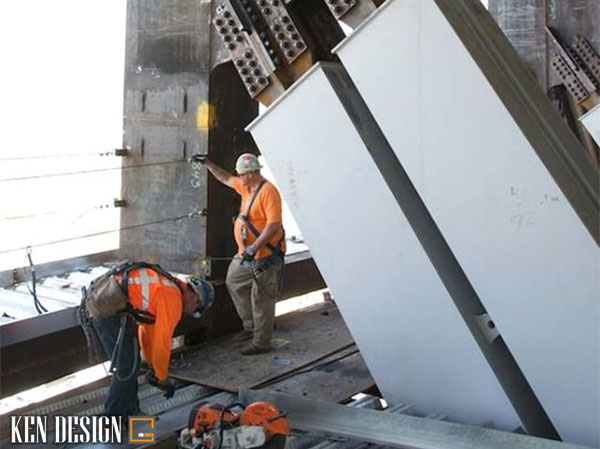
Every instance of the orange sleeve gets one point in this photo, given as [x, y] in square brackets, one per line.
[236, 184]
[272, 204]
[157, 345]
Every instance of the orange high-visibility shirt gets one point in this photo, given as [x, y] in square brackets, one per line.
[149, 291]
[265, 210]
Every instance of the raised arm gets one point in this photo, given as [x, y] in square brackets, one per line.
[221, 175]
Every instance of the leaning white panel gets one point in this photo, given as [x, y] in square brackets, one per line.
[591, 121]
[527, 254]
[412, 337]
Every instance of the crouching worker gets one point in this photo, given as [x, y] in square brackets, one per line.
[144, 301]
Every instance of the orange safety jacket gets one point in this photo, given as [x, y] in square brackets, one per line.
[151, 292]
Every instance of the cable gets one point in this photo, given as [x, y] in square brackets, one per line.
[59, 211]
[56, 156]
[54, 175]
[38, 305]
[117, 350]
[140, 225]
[307, 370]
[21, 217]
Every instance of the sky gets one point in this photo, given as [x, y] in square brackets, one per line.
[62, 81]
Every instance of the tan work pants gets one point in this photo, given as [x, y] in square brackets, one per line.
[254, 296]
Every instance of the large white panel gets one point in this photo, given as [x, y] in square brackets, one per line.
[407, 328]
[527, 254]
[591, 120]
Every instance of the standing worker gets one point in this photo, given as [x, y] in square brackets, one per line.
[143, 299]
[254, 278]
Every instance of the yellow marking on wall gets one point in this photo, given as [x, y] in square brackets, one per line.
[206, 116]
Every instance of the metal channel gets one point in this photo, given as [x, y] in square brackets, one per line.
[11, 277]
[394, 429]
[468, 303]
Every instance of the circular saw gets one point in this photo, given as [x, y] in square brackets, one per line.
[235, 426]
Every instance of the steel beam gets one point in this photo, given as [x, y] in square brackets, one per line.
[42, 359]
[54, 344]
[39, 326]
[21, 274]
[392, 429]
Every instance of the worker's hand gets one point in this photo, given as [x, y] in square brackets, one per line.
[200, 158]
[248, 254]
[151, 378]
[168, 387]
[165, 385]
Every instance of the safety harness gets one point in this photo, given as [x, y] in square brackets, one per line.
[276, 251]
[107, 297]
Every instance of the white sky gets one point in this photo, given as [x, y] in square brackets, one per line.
[62, 81]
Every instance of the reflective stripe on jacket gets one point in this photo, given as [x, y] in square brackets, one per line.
[149, 291]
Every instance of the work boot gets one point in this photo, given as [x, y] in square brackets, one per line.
[242, 335]
[252, 349]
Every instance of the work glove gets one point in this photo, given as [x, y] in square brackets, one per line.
[200, 158]
[164, 385]
[248, 254]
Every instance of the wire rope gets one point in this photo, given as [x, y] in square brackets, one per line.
[111, 231]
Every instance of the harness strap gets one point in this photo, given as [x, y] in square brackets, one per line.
[262, 183]
[276, 250]
[116, 354]
[142, 315]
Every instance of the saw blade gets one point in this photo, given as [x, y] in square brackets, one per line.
[277, 442]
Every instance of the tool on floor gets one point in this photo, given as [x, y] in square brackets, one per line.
[235, 426]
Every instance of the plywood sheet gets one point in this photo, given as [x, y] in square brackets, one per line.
[300, 338]
[334, 379]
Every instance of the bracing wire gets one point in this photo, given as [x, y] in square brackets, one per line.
[105, 206]
[55, 156]
[193, 214]
[97, 170]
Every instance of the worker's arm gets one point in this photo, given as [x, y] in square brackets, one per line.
[266, 235]
[222, 176]
[169, 308]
